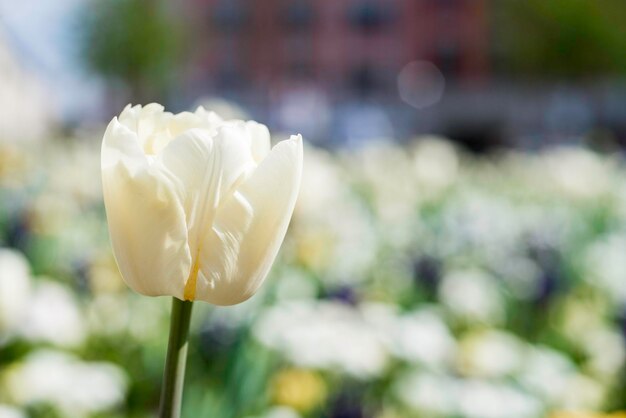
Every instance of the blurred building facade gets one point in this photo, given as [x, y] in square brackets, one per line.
[347, 70]
[348, 46]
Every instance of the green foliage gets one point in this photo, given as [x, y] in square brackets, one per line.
[132, 41]
[561, 38]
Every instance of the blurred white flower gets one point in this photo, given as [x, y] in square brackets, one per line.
[420, 336]
[294, 284]
[353, 241]
[429, 394]
[481, 222]
[322, 184]
[383, 174]
[606, 349]
[546, 372]
[75, 388]
[7, 411]
[472, 295]
[577, 172]
[53, 316]
[491, 354]
[112, 315]
[583, 393]
[580, 316]
[484, 399]
[554, 377]
[323, 335]
[442, 396]
[332, 231]
[423, 337]
[435, 163]
[377, 166]
[521, 276]
[14, 288]
[605, 266]
[567, 171]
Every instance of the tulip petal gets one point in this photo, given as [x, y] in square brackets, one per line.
[206, 168]
[249, 228]
[201, 119]
[121, 144]
[146, 221]
[259, 140]
[144, 120]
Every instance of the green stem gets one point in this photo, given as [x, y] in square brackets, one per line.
[174, 375]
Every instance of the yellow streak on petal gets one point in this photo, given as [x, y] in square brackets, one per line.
[190, 286]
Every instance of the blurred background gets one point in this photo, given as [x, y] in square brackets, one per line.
[459, 245]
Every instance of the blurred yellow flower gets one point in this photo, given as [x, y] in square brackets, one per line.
[197, 206]
[299, 389]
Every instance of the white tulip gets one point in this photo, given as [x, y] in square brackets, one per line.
[197, 207]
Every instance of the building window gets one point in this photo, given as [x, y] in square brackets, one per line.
[448, 58]
[299, 50]
[370, 16]
[230, 15]
[299, 14]
[364, 80]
